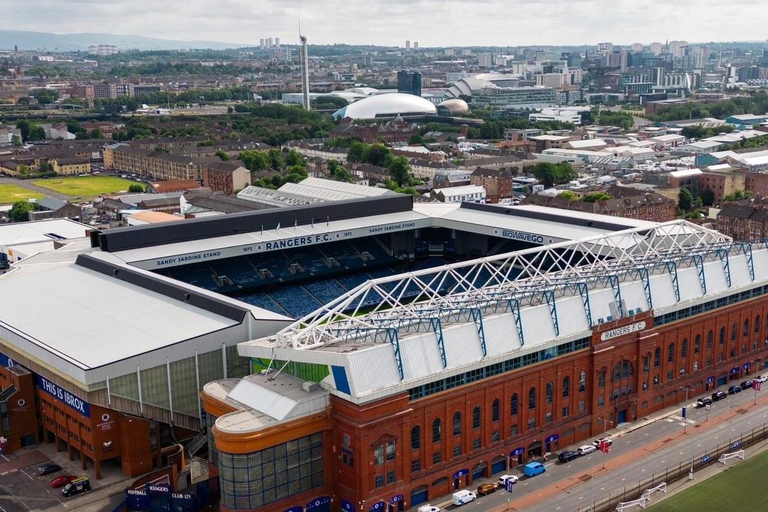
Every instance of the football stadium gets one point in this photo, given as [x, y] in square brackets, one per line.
[371, 353]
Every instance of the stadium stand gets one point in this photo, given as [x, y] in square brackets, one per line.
[295, 300]
[325, 291]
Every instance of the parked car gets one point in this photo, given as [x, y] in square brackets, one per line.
[586, 448]
[503, 479]
[62, 480]
[746, 384]
[761, 378]
[734, 389]
[459, 498]
[428, 508]
[82, 484]
[719, 395]
[484, 489]
[47, 469]
[567, 456]
[606, 439]
[534, 468]
[703, 401]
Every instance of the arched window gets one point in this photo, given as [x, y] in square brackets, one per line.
[456, 423]
[437, 430]
[566, 387]
[671, 353]
[513, 405]
[583, 381]
[684, 348]
[734, 331]
[697, 344]
[532, 398]
[722, 335]
[476, 417]
[550, 392]
[757, 324]
[745, 332]
[416, 437]
[495, 413]
[657, 357]
[710, 338]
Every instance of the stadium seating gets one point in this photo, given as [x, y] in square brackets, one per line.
[197, 274]
[325, 291]
[262, 300]
[295, 300]
[238, 270]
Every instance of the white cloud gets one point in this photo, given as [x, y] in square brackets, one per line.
[391, 22]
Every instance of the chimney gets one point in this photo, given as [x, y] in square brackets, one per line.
[464, 130]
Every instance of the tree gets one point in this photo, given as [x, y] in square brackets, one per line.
[337, 172]
[376, 154]
[355, 152]
[567, 194]
[552, 174]
[131, 105]
[96, 134]
[416, 139]
[685, 199]
[222, 154]
[707, 197]
[739, 195]
[293, 157]
[596, 196]
[254, 160]
[44, 168]
[400, 170]
[135, 187]
[16, 141]
[275, 159]
[20, 211]
[230, 110]
[36, 133]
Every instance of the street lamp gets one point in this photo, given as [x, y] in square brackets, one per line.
[685, 420]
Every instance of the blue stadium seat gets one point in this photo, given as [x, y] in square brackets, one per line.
[295, 300]
[238, 270]
[262, 300]
[198, 274]
[325, 291]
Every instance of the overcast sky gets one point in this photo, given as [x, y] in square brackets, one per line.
[391, 22]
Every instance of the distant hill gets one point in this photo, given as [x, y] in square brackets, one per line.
[75, 42]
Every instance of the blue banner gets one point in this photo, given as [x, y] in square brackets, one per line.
[347, 506]
[59, 393]
[460, 473]
[6, 361]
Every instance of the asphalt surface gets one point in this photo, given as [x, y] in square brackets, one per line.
[652, 448]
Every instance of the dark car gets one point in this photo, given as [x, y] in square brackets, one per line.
[567, 456]
[734, 389]
[47, 469]
[719, 395]
[746, 384]
[703, 402]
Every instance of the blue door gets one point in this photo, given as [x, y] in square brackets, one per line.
[622, 416]
[478, 473]
[419, 495]
[722, 381]
[498, 466]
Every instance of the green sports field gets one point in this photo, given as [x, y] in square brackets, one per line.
[11, 193]
[742, 487]
[85, 186]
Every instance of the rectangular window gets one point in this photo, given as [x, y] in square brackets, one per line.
[566, 411]
[391, 477]
[548, 418]
[476, 443]
[513, 430]
[378, 455]
[495, 436]
[600, 401]
[436, 457]
[457, 450]
[391, 450]
[531, 423]
[379, 481]
[582, 406]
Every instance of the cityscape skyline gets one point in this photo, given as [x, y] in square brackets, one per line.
[553, 24]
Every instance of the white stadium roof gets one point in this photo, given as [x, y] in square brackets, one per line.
[387, 105]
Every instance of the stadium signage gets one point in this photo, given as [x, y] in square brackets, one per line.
[621, 331]
[392, 227]
[522, 236]
[297, 242]
[73, 401]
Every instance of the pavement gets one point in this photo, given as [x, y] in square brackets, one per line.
[640, 451]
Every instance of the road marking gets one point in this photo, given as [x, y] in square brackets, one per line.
[643, 471]
[581, 498]
[663, 461]
[623, 479]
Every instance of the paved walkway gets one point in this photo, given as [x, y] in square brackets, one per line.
[24, 460]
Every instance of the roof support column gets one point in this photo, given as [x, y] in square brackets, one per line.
[477, 317]
[646, 278]
[723, 255]
[514, 308]
[671, 267]
[550, 296]
[394, 340]
[614, 280]
[437, 326]
[584, 292]
[698, 260]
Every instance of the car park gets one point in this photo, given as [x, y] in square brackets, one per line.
[719, 395]
[586, 448]
[534, 468]
[746, 384]
[734, 389]
[485, 489]
[567, 456]
[82, 484]
[47, 469]
[459, 498]
[503, 479]
[703, 401]
[62, 480]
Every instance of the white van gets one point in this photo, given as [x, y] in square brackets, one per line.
[461, 497]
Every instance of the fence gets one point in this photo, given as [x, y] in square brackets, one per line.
[676, 472]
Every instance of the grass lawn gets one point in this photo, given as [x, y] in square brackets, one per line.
[85, 186]
[741, 488]
[12, 193]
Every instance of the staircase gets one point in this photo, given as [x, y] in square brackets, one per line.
[196, 444]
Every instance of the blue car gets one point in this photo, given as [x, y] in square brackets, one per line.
[534, 468]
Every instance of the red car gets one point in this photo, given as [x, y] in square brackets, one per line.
[61, 481]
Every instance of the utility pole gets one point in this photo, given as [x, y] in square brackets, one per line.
[685, 407]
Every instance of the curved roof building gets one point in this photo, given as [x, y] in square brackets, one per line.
[387, 105]
[453, 107]
[467, 85]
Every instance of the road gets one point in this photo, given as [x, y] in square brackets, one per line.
[634, 456]
[27, 184]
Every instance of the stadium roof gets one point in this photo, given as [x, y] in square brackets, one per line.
[425, 325]
[387, 105]
[41, 231]
[104, 318]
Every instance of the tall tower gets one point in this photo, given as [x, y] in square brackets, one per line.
[304, 72]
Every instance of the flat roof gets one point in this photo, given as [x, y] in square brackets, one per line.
[42, 231]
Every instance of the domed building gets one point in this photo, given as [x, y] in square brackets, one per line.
[453, 107]
[387, 105]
